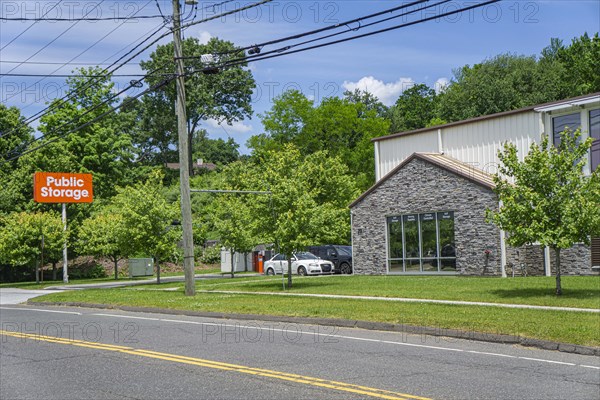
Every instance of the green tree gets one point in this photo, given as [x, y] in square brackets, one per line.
[147, 219]
[224, 96]
[103, 234]
[550, 201]
[580, 72]
[103, 148]
[21, 239]
[414, 109]
[309, 202]
[369, 100]
[341, 126]
[502, 83]
[217, 151]
[15, 136]
[284, 122]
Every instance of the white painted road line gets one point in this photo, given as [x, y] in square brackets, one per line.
[128, 317]
[38, 310]
[332, 335]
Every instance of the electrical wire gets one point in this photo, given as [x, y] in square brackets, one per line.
[74, 58]
[74, 76]
[30, 26]
[81, 19]
[45, 111]
[329, 27]
[56, 63]
[88, 123]
[69, 96]
[349, 29]
[282, 51]
[238, 62]
[56, 38]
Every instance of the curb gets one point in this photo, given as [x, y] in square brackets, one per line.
[344, 323]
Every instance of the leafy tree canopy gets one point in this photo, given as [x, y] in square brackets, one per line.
[224, 96]
[550, 201]
[342, 127]
[21, 237]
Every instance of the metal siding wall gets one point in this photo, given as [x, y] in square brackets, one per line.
[393, 151]
[478, 143]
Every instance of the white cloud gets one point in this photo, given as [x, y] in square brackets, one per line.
[204, 37]
[387, 93]
[441, 84]
[235, 127]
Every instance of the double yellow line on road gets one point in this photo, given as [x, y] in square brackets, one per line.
[323, 383]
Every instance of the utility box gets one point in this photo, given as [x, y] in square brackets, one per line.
[240, 263]
[141, 267]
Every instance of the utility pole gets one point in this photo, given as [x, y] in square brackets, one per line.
[184, 168]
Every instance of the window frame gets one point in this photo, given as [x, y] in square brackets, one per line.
[404, 261]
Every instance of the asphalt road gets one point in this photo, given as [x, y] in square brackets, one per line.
[106, 354]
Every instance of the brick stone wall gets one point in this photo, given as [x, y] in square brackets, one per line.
[576, 260]
[421, 187]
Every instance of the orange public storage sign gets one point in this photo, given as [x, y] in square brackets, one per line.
[58, 187]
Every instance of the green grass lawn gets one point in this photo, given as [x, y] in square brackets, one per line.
[45, 284]
[578, 291]
[108, 279]
[561, 326]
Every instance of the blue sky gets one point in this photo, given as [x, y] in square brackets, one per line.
[384, 64]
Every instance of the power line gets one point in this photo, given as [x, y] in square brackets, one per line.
[74, 75]
[81, 19]
[99, 117]
[56, 63]
[47, 109]
[283, 51]
[72, 93]
[56, 38]
[256, 48]
[29, 27]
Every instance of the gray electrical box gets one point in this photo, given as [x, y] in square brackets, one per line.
[141, 267]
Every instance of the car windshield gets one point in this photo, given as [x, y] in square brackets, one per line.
[345, 250]
[306, 256]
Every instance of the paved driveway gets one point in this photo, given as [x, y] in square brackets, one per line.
[16, 296]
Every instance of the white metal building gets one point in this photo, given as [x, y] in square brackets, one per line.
[474, 143]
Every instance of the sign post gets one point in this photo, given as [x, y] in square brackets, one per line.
[64, 221]
[58, 187]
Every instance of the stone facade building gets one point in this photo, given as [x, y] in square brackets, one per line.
[427, 214]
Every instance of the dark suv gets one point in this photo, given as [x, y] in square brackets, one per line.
[340, 256]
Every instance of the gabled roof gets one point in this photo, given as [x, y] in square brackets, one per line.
[546, 107]
[448, 163]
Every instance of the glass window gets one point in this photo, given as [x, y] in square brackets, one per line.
[595, 134]
[562, 122]
[427, 240]
[395, 237]
[411, 236]
[429, 235]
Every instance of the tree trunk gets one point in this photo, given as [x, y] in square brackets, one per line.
[53, 270]
[558, 287]
[116, 261]
[289, 271]
[245, 262]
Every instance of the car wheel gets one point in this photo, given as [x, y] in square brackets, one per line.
[302, 271]
[345, 268]
[270, 271]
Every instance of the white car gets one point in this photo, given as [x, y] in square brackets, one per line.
[303, 263]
